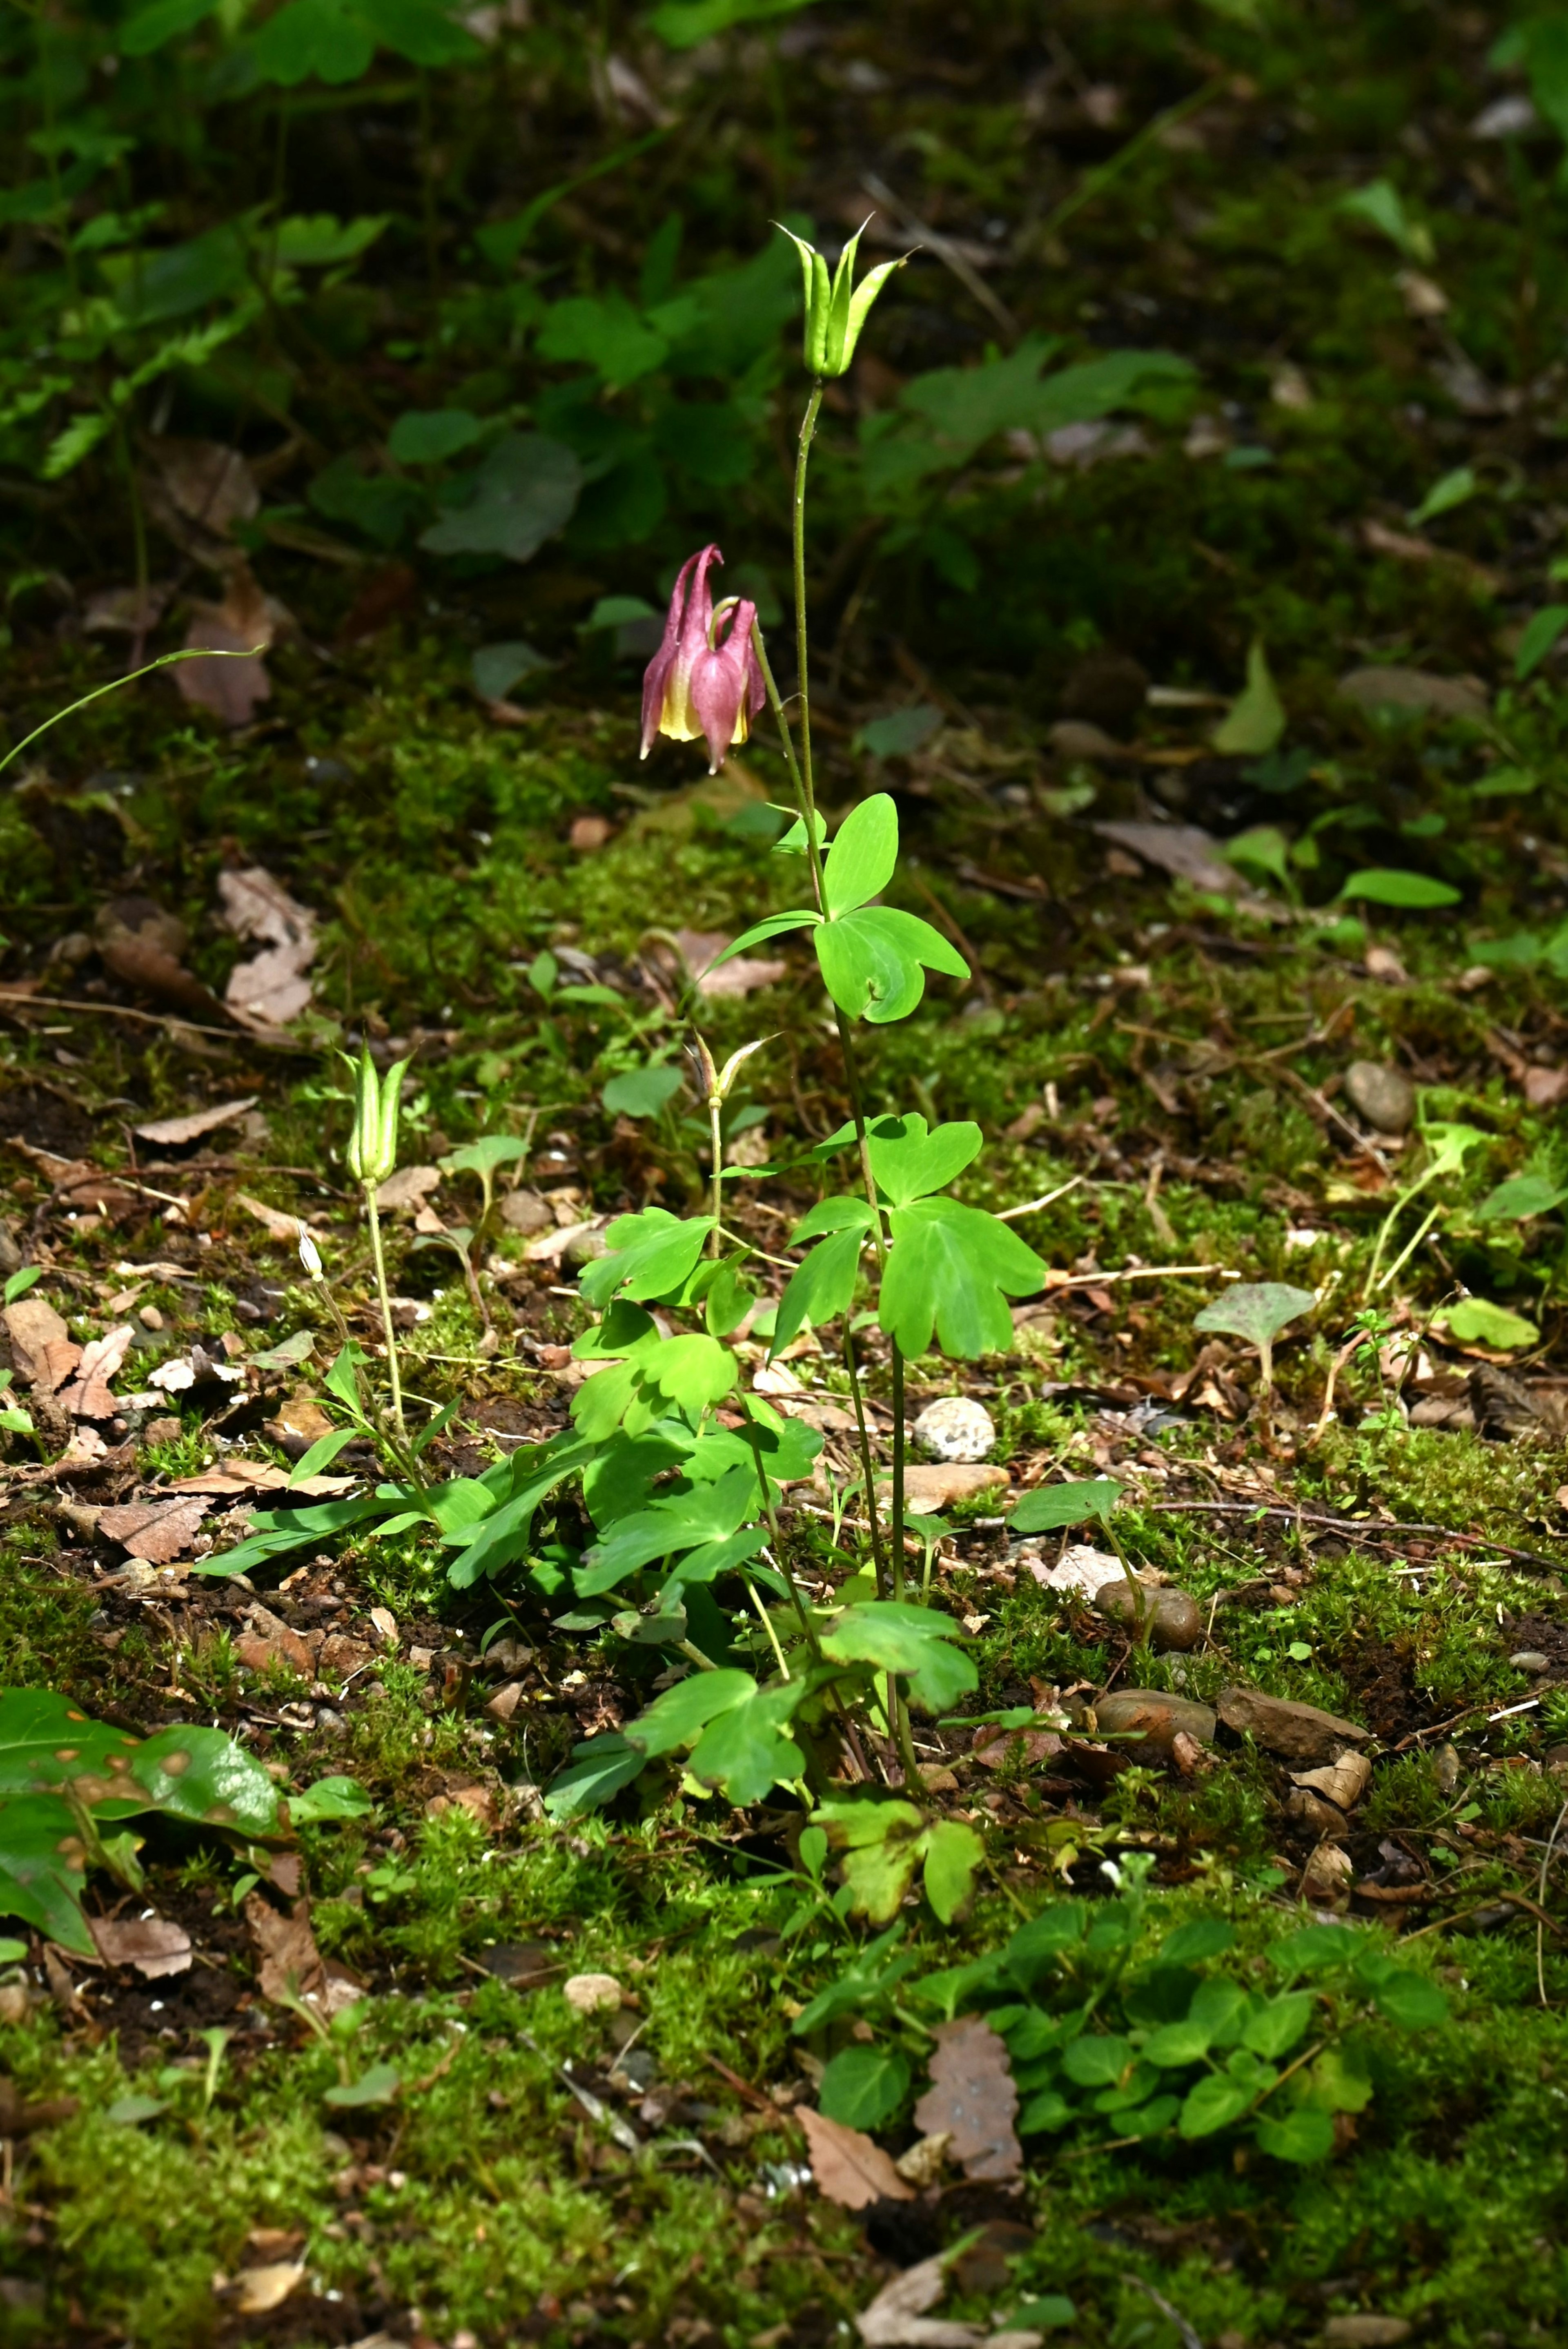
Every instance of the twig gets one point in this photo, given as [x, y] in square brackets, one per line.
[910, 224]
[20, 997]
[1032, 1206]
[1138, 1272]
[1387, 1527]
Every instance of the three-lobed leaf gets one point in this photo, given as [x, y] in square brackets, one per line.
[951, 1269]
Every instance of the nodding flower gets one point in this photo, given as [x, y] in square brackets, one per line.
[704, 681]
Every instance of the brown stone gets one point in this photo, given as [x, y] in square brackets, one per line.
[1310, 1811]
[1165, 1618]
[341, 1655]
[938, 1486]
[1159, 1716]
[1300, 1732]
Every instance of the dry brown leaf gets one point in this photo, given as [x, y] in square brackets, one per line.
[1183, 850]
[89, 1397]
[273, 1220]
[291, 1963]
[199, 1122]
[199, 491]
[153, 1945]
[157, 1531]
[126, 611]
[42, 1351]
[258, 2290]
[973, 2097]
[896, 2318]
[403, 1192]
[143, 944]
[273, 986]
[701, 950]
[848, 2167]
[479, 1804]
[243, 623]
[85, 1450]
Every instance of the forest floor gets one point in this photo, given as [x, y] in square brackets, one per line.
[1197, 1077]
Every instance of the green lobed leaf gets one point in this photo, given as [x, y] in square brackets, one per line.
[1213, 2105]
[864, 2086]
[1304, 2135]
[915, 1642]
[43, 1868]
[873, 961]
[861, 860]
[651, 1255]
[598, 1770]
[909, 1162]
[951, 1269]
[1256, 1311]
[823, 1287]
[1050, 1506]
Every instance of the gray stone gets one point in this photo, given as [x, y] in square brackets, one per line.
[1385, 1096]
[1166, 1618]
[584, 1245]
[955, 1428]
[1531, 1660]
[526, 1212]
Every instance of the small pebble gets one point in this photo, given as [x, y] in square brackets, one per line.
[1169, 1618]
[1529, 1659]
[589, 1993]
[1385, 1096]
[957, 1428]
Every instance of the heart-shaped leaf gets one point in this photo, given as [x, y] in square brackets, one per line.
[951, 1268]
[873, 961]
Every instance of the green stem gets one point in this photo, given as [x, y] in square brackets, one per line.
[766, 1621]
[394, 1378]
[715, 1142]
[868, 1472]
[897, 1470]
[164, 660]
[803, 684]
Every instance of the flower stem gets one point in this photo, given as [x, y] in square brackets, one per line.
[394, 1378]
[867, 1472]
[897, 1470]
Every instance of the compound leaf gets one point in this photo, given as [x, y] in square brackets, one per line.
[953, 1267]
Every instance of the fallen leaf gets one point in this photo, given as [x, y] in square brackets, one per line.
[153, 1530]
[89, 1397]
[258, 2290]
[198, 1122]
[199, 491]
[1413, 689]
[701, 950]
[172, 1377]
[552, 1245]
[386, 1622]
[504, 1703]
[406, 1190]
[85, 1450]
[126, 611]
[1344, 1782]
[1081, 1568]
[42, 1351]
[243, 623]
[143, 945]
[273, 1220]
[153, 1945]
[924, 2162]
[273, 986]
[291, 1963]
[591, 1993]
[1183, 850]
[479, 1804]
[972, 2095]
[896, 2318]
[1545, 1087]
[849, 2168]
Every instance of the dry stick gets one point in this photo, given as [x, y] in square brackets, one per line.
[1541, 1895]
[1386, 1527]
[910, 224]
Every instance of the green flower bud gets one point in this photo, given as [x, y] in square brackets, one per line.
[372, 1152]
[836, 309]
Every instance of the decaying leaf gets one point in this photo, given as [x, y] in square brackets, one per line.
[191, 1128]
[273, 1220]
[89, 1396]
[292, 1965]
[273, 986]
[157, 1531]
[199, 491]
[408, 1189]
[896, 2318]
[244, 624]
[42, 1350]
[1183, 850]
[143, 944]
[701, 949]
[155, 1946]
[258, 2290]
[126, 611]
[972, 2096]
[849, 2168]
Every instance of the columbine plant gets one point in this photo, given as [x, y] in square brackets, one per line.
[682, 1470]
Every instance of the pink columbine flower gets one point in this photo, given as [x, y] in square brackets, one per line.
[705, 679]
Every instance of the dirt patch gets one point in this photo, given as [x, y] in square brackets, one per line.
[48, 1120]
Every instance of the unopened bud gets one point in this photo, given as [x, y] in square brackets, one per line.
[309, 1254]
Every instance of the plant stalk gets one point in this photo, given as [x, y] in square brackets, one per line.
[879, 1560]
[393, 1377]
